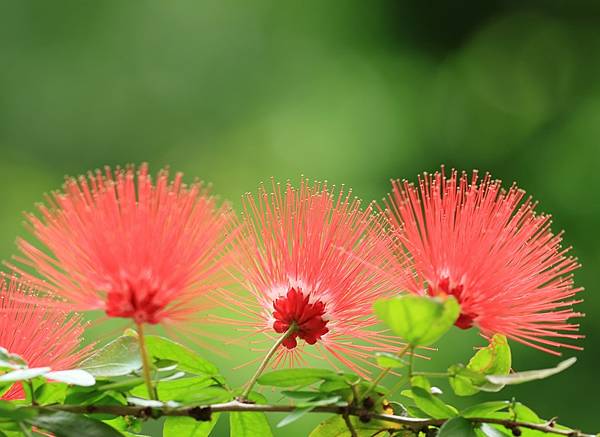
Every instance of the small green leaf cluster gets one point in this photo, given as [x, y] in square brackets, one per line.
[421, 321]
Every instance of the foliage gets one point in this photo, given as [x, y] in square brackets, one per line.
[107, 397]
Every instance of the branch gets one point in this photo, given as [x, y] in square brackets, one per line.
[203, 413]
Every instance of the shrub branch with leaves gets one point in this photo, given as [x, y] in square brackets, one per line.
[366, 290]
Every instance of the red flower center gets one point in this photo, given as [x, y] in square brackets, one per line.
[294, 309]
[465, 320]
[136, 301]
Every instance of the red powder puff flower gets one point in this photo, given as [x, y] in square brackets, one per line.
[42, 336]
[133, 248]
[489, 249]
[312, 260]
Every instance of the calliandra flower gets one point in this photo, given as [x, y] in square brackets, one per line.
[469, 238]
[133, 248]
[312, 260]
[43, 336]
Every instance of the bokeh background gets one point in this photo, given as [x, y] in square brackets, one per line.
[354, 92]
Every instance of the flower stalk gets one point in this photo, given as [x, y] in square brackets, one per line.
[265, 361]
[147, 372]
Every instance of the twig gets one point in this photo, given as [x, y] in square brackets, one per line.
[349, 425]
[203, 413]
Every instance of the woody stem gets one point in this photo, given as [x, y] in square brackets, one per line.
[203, 413]
[266, 360]
[145, 361]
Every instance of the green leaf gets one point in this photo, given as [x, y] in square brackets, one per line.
[414, 411]
[334, 386]
[188, 390]
[123, 385]
[491, 431]
[332, 427]
[128, 382]
[421, 381]
[306, 407]
[165, 365]
[249, 425]
[296, 377]
[23, 374]
[388, 360]
[63, 424]
[457, 427]
[161, 348]
[525, 414]
[294, 415]
[419, 320]
[176, 390]
[209, 395]
[431, 405]
[5, 387]
[128, 425]
[492, 359]
[73, 377]
[335, 426]
[198, 390]
[51, 393]
[186, 426]
[9, 410]
[16, 429]
[299, 394]
[184, 388]
[77, 395]
[508, 411]
[320, 402]
[484, 409]
[530, 375]
[463, 381]
[119, 357]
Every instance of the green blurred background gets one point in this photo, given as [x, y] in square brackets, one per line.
[354, 92]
